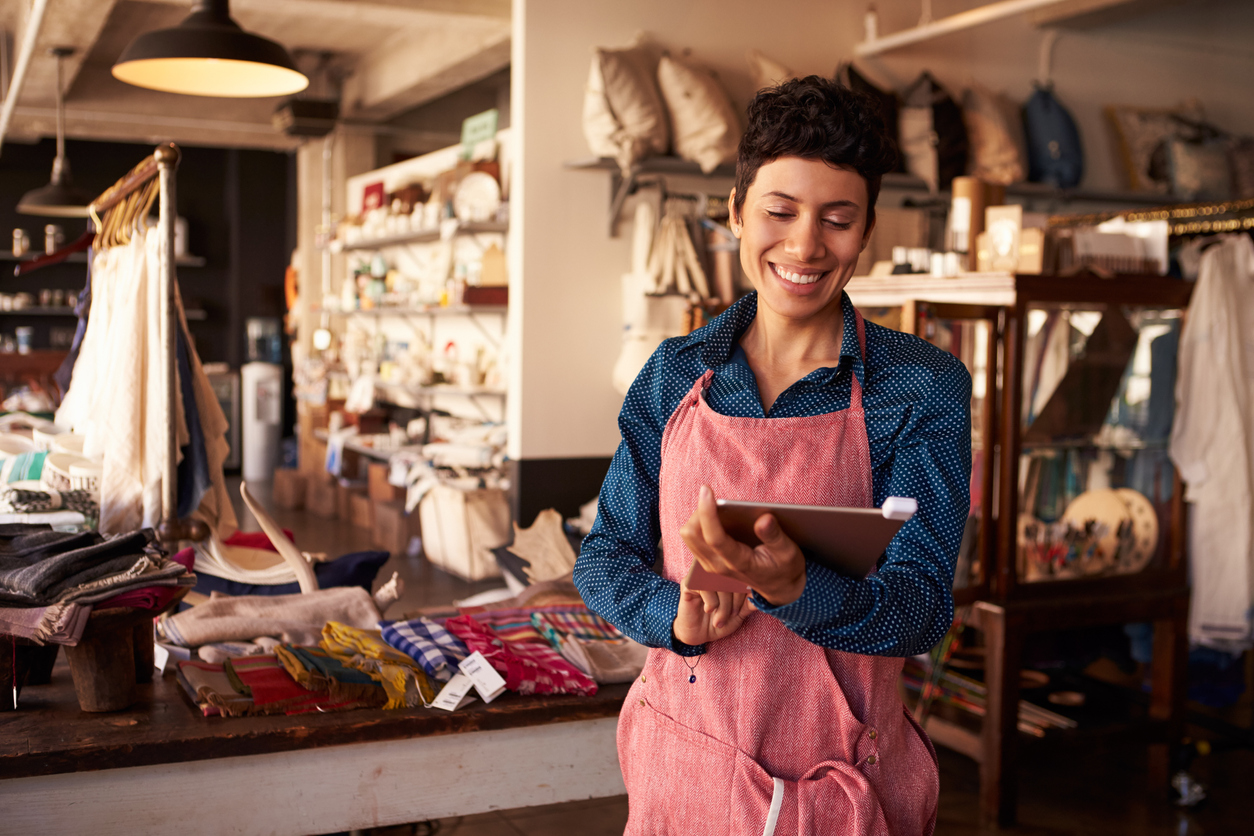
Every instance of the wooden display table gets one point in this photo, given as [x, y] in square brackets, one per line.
[161, 765]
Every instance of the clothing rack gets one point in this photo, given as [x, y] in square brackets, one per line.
[162, 165]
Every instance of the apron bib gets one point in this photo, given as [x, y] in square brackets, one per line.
[777, 735]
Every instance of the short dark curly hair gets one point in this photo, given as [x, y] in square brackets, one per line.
[815, 118]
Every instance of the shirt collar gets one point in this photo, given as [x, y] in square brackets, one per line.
[717, 339]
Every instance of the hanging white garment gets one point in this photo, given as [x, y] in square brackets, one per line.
[116, 397]
[1212, 443]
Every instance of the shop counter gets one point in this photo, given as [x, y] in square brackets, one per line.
[161, 764]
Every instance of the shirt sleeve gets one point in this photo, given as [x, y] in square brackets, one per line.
[614, 572]
[907, 606]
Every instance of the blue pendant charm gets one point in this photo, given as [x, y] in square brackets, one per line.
[692, 678]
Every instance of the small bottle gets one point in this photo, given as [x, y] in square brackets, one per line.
[870, 24]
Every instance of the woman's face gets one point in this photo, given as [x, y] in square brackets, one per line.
[802, 227]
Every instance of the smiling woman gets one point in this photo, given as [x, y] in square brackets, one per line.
[778, 711]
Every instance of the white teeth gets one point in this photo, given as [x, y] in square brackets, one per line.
[796, 278]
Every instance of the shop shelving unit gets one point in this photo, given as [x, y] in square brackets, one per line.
[1006, 606]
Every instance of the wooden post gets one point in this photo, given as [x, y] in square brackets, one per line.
[1003, 639]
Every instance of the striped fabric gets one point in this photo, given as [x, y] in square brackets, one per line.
[518, 626]
[555, 626]
[24, 467]
[435, 649]
[528, 667]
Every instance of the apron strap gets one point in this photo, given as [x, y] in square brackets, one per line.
[855, 391]
[777, 801]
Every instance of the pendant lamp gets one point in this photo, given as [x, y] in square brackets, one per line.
[208, 54]
[58, 199]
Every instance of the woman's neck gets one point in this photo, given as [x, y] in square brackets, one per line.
[782, 350]
[786, 343]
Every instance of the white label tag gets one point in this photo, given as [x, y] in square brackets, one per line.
[455, 694]
[487, 681]
[160, 656]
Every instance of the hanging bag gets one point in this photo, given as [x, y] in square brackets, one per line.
[1055, 155]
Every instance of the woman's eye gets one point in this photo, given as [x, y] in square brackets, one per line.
[837, 224]
[777, 215]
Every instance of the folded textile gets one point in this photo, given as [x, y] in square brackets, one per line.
[53, 624]
[40, 579]
[219, 652]
[296, 619]
[151, 597]
[426, 642]
[24, 467]
[528, 667]
[556, 623]
[406, 683]
[315, 669]
[34, 541]
[211, 686]
[144, 571]
[606, 661]
[268, 683]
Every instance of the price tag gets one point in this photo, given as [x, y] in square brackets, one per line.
[160, 657]
[455, 694]
[487, 681]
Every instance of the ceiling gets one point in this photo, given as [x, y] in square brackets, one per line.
[389, 56]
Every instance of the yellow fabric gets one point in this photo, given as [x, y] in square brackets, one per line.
[404, 682]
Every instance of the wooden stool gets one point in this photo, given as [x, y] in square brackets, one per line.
[103, 661]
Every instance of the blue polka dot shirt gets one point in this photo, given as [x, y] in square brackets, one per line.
[917, 403]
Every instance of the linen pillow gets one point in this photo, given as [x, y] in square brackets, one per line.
[623, 114]
[1242, 159]
[995, 135]
[706, 128]
[767, 72]
[1200, 170]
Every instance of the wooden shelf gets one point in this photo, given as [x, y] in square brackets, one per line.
[422, 236]
[192, 314]
[81, 258]
[430, 310]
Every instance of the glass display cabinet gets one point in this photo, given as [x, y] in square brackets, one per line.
[1077, 515]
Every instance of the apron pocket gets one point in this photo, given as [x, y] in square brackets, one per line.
[680, 781]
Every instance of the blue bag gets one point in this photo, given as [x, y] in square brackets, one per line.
[1055, 155]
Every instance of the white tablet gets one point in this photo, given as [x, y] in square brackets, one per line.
[848, 540]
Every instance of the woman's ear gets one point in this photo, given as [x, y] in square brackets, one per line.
[733, 220]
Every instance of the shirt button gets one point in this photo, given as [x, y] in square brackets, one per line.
[871, 760]
[874, 734]
[644, 678]
[642, 703]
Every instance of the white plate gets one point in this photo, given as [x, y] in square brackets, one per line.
[477, 198]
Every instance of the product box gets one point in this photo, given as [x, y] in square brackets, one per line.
[362, 514]
[320, 497]
[380, 490]
[345, 489]
[461, 528]
[313, 456]
[289, 489]
[393, 528]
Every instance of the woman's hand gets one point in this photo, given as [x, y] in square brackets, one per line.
[708, 616]
[775, 569]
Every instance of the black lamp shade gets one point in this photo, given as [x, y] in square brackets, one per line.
[208, 54]
[58, 199]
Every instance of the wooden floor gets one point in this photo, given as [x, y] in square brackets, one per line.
[1072, 789]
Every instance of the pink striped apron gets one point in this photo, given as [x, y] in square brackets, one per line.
[777, 735]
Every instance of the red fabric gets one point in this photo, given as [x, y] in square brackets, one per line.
[768, 706]
[528, 667]
[255, 540]
[151, 597]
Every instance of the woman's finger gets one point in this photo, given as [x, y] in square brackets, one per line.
[724, 612]
[709, 601]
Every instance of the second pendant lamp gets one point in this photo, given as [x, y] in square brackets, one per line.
[208, 54]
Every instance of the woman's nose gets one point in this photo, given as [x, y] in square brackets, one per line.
[805, 240]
